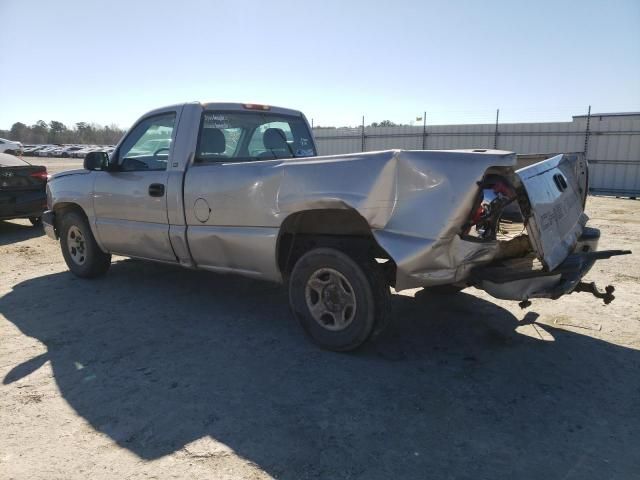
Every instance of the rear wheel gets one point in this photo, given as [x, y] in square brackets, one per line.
[35, 221]
[338, 301]
[79, 248]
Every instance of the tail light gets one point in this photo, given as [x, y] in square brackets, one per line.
[254, 106]
[485, 216]
[40, 174]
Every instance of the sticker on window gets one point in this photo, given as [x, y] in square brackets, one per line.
[216, 120]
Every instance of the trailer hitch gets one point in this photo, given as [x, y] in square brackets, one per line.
[606, 295]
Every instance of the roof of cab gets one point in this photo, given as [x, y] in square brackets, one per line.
[243, 107]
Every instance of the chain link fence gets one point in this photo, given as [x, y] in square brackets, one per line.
[611, 143]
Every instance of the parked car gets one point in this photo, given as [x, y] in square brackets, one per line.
[83, 151]
[46, 150]
[33, 151]
[68, 150]
[237, 188]
[57, 151]
[10, 147]
[28, 150]
[22, 189]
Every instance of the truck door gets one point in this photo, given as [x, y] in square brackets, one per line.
[130, 203]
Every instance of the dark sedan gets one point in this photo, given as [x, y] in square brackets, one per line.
[22, 189]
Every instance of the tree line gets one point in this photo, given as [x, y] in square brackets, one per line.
[383, 123]
[56, 132]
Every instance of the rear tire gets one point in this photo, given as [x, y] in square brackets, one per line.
[79, 248]
[36, 221]
[339, 302]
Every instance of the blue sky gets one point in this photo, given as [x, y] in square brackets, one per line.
[109, 62]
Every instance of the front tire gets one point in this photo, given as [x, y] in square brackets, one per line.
[79, 248]
[338, 302]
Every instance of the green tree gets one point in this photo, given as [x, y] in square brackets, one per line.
[384, 123]
[56, 131]
[19, 132]
[40, 132]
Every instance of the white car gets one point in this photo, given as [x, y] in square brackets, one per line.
[10, 147]
[57, 152]
[83, 152]
[70, 149]
[44, 152]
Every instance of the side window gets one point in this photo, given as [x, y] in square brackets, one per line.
[147, 146]
[278, 136]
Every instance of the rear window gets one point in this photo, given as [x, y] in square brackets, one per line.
[249, 136]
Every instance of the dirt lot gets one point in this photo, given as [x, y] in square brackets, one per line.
[158, 372]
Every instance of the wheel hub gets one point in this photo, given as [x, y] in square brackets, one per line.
[76, 245]
[330, 299]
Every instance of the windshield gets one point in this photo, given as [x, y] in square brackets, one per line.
[245, 136]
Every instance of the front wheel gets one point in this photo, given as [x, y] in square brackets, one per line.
[79, 248]
[339, 302]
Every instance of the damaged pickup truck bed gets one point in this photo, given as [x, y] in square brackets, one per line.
[238, 188]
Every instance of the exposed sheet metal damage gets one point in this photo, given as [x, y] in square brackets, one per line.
[438, 214]
[418, 204]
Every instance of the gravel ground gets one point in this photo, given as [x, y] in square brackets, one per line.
[158, 372]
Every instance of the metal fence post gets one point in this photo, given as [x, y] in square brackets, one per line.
[587, 133]
[424, 131]
[496, 133]
[362, 133]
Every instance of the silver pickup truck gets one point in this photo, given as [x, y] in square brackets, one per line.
[238, 188]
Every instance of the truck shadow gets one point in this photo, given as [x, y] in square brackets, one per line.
[157, 357]
[12, 232]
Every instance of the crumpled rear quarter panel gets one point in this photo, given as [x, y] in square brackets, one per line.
[414, 201]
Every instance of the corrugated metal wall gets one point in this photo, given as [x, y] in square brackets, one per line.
[613, 147]
[614, 156]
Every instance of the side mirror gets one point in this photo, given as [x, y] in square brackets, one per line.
[96, 161]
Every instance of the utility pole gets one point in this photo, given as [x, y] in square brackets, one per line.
[495, 135]
[362, 148]
[587, 133]
[424, 131]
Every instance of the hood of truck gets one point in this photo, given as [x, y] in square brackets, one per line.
[556, 189]
[68, 173]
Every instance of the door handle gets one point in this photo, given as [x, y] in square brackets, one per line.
[560, 182]
[156, 190]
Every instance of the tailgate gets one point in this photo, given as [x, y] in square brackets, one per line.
[556, 189]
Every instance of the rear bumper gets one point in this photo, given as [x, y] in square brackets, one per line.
[49, 224]
[522, 286]
[521, 281]
[22, 204]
